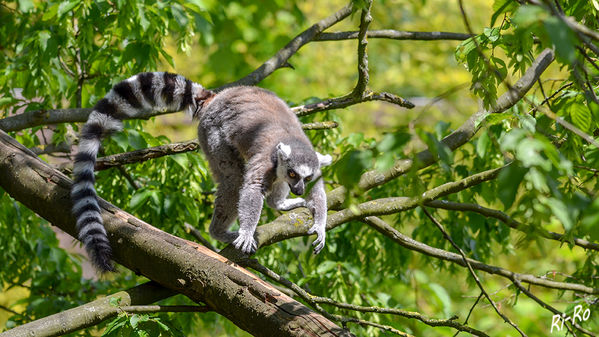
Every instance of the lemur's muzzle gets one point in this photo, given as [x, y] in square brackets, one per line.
[297, 189]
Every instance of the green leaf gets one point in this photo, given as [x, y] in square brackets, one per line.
[43, 37]
[139, 197]
[509, 179]
[482, 144]
[561, 212]
[581, 116]
[50, 12]
[326, 266]
[25, 5]
[65, 7]
[502, 6]
[181, 159]
[562, 38]
[443, 297]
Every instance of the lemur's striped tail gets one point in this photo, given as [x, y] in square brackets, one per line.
[128, 99]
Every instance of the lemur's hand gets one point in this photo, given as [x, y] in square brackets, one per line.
[321, 233]
[245, 242]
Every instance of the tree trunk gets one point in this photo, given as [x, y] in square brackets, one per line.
[181, 265]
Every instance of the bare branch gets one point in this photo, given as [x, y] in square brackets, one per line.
[363, 77]
[142, 155]
[198, 235]
[376, 325]
[345, 101]
[393, 34]
[281, 58]
[476, 279]
[409, 243]
[450, 205]
[320, 125]
[55, 116]
[92, 313]
[315, 300]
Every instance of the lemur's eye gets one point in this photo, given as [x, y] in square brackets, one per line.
[291, 174]
[308, 178]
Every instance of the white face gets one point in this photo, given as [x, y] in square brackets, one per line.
[295, 174]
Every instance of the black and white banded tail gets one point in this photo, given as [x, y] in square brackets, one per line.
[128, 99]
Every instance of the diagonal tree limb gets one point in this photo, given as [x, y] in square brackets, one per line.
[316, 300]
[409, 243]
[282, 56]
[394, 35]
[467, 130]
[180, 265]
[456, 206]
[91, 313]
[294, 224]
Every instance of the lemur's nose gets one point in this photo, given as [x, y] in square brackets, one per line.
[298, 189]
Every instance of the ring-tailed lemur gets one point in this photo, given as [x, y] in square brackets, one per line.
[253, 142]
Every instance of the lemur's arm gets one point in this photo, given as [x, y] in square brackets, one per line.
[251, 201]
[317, 204]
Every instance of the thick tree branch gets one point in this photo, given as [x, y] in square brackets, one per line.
[91, 313]
[297, 223]
[455, 206]
[467, 130]
[409, 243]
[393, 34]
[177, 264]
[282, 56]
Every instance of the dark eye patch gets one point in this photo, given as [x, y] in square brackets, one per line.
[308, 178]
[291, 174]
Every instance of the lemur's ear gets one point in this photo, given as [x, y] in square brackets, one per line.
[283, 151]
[324, 160]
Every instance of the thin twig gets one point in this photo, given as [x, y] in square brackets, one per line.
[470, 312]
[376, 325]
[456, 206]
[281, 58]
[316, 300]
[198, 235]
[476, 279]
[345, 101]
[527, 292]
[407, 242]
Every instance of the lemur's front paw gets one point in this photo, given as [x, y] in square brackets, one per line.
[321, 233]
[245, 242]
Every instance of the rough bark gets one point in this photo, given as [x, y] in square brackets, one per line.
[180, 265]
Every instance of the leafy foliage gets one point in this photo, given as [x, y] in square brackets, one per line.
[58, 54]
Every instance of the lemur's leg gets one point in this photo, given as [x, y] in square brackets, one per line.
[251, 200]
[278, 200]
[317, 204]
[227, 169]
